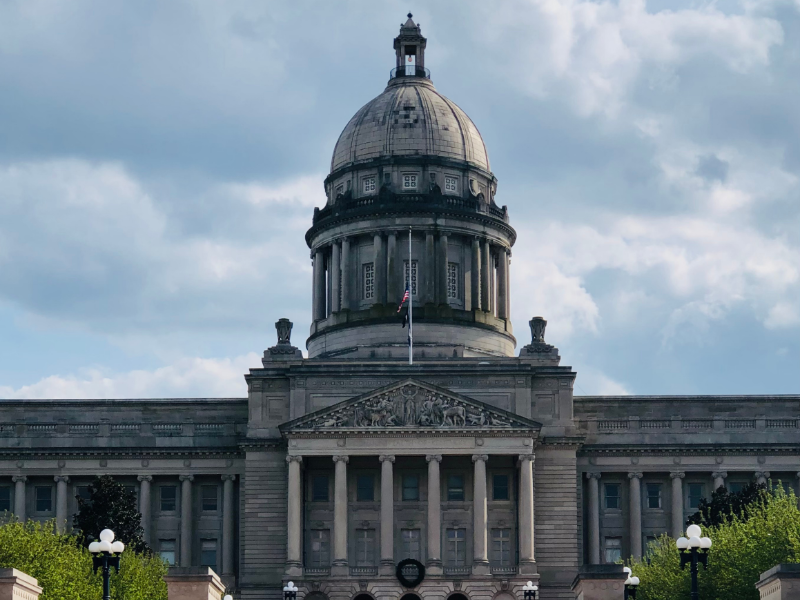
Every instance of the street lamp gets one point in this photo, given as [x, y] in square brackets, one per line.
[631, 583]
[290, 591]
[694, 550]
[105, 551]
[227, 597]
[529, 591]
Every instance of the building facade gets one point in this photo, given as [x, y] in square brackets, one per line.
[478, 463]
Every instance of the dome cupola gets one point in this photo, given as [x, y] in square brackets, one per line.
[410, 159]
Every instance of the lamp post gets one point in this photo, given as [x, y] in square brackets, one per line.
[227, 597]
[529, 591]
[106, 555]
[631, 583]
[694, 550]
[290, 591]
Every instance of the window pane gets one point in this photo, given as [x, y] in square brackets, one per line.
[365, 547]
[450, 184]
[653, 495]
[82, 492]
[44, 499]
[500, 487]
[368, 278]
[612, 495]
[320, 548]
[452, 280]
[369, 185]
[613, 549]
[410, 543]
[319, 488]
[208, 554]
[209, 493]
[365, 488]
[456, 548]
[735, 487]
[166, 549]
[413, 275]
[455, 488]
[695, 494]
[410, 487]
[5, 498]
[169, 494]
[501, 547]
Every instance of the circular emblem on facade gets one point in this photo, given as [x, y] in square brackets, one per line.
[410, 572]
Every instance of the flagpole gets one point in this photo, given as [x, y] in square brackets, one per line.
[410, 304]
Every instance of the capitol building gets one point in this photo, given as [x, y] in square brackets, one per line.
[473, 463]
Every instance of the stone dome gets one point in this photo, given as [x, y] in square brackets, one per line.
[410, 118]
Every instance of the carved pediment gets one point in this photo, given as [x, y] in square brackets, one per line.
[410, 405]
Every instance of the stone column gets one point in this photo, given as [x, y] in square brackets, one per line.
[434, 566]
[339, 566]
[19, 496]
[761, 477]
[480, 556]
[328, 282]
[380, 270]
[441, 269]
[636, 513]
[344, 264]
[594, 518]
[186, 520]
[387, 514]
[61, 502]
[677, 504]
[227, 523]
[335, 278]
[502, 284]
[394, 278]
[294, 543]
[144, 504]
[319, 285]
[486, 275]
[427, 268]
[475, 274]
[719, 479]
[527, 560]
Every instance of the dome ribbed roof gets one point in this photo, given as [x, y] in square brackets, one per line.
[410, 118]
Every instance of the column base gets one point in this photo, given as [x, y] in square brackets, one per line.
[481, 567]
[294, 569]
[340, 569]
[434, 567]
[387, 567]
[528, 567]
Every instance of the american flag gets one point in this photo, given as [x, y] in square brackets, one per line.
[403, 301]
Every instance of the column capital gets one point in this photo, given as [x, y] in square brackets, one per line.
[677, 475]
[229, 477]
[186, 478]
[481, 457]
[635, 476]
[385, 457]
[341, 458]
[524, 457]
[145, 478]
[593, 475]
[61, 478]
[438, 458]
[760, 474]
[24, 478]
[719, 474]
[294, 458]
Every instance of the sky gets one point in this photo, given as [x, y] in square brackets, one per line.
[160, 163]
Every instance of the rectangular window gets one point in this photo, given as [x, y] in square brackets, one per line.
[455, 488]
[413, 287]
[365, 488]
[410, 487]
[369, 185]
[166, 550]
[649, 544]
[208, 553]
[5, 499]
[452, 280]
[209, 496]
[613, 549]
[82, 492]
[500, 487]
[653, 495]
[365, 547]
[612, 495]
[320, 548]
[501, 547]
[44, 498]
[451, 185]
[319, 488]
[734, 487]
[339, 190]
[410, 539]
[169, 498]
[695, 494]
[457, 547]
[368, 277]
[409, 181]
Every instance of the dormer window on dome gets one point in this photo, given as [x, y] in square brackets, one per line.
[409, 49]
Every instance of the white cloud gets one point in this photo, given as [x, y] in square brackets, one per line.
[185, 378]
[592, 382]
[783, 314]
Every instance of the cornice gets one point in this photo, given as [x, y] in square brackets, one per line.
[688, 450]
[118, 453]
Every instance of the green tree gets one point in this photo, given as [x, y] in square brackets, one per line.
[63, 566]
[766, 532]
[111, 506]
[723, 504]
